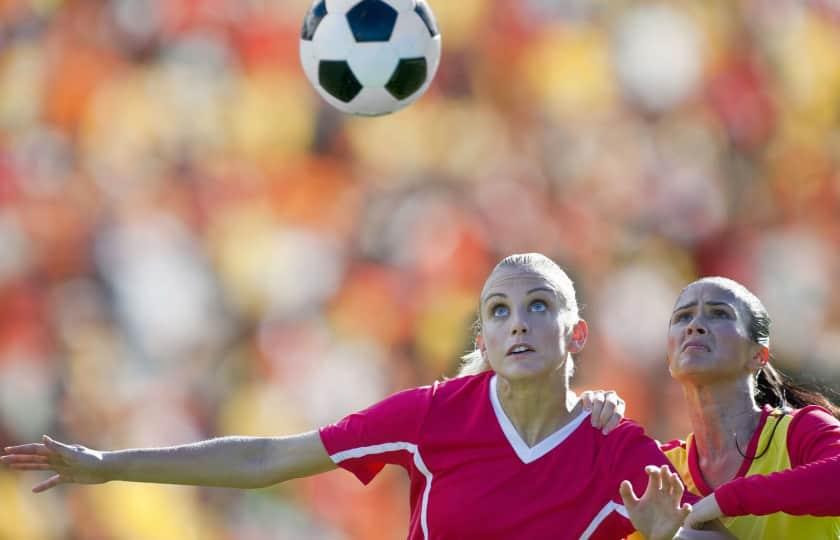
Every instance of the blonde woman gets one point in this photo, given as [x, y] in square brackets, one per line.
[506, 453]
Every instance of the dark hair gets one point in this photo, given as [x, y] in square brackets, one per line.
[776, 389]
[772, 387]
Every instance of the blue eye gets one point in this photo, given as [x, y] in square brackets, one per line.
[680, 317]
[500, 310]
[720, 313]
[538, 306]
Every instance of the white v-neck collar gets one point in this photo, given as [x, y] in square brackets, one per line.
[526, 453]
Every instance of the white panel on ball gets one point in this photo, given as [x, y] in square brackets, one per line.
[339, 7]
[333, 39]
[308, 61]
[402, 5]
[375, 101]
[433, 58]
[410, 36]
[373, 63]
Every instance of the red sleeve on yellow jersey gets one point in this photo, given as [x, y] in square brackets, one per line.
[814, 450]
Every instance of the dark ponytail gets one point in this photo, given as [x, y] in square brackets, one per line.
[776, 389]
[773, 387]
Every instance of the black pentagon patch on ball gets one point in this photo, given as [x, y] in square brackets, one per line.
[336, 77]
[372, 20]
[407, 78]
[313, 18]
[422, 9]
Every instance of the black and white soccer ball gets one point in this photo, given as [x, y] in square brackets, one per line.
[370, 57]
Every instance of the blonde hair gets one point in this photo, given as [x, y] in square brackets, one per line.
[474, 362]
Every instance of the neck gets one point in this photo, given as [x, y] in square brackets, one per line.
[538, 406]
[721, 413]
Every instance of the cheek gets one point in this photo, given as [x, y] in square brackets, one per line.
[671, 345]
[493, 338]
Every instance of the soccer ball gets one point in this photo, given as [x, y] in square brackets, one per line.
[370, 57]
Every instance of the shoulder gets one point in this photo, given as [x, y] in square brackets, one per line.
[672, 445]
[628, 434]
[627, 428]
[675, 449]
[631, 449]
[464, 384]
[815, 414]
[812, 417]
[813, 433]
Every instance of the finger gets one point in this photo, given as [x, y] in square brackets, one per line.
[23, 458]
[31, 467]
[628, 495]
[654, 478]
[611, 424]
[586, 400]
[597, 408]
[620, 406]
[48, 483]
[31, 448]
[607, 412]
[667, 476]
[667, 479]
[679, 488]
[685, 510]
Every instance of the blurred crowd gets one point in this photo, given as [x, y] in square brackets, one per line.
[192, 244]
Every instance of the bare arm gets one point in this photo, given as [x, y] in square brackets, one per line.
[237, 462]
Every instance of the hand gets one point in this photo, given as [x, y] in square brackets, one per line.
[71, 463]
[606, 406]
[658, 514]
[705, 510]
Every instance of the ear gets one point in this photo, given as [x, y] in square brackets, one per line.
[580, 331]
[481, 346]
[760, 357]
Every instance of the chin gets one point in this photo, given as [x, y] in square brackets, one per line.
[524, 370]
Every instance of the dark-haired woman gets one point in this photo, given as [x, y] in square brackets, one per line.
[764, 454]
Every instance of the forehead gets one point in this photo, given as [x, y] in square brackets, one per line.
[516, 279]
[708, 291]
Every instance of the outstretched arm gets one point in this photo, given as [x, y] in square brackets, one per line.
[238, 462]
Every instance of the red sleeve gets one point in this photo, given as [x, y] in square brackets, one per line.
[814, 450]
[387, 432]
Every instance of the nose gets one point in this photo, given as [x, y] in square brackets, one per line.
[519, 325]
[695, 326]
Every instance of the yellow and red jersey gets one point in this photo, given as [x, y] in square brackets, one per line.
[788, 486]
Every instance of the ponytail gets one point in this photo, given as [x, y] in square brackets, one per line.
[776, 389]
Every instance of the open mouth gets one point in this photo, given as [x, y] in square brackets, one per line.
[519, 349]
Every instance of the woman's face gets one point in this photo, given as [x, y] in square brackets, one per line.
[527, 330]
[708, 338]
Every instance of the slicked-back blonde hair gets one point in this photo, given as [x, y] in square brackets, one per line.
[474, 362]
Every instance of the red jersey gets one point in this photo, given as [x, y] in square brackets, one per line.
[472, 476]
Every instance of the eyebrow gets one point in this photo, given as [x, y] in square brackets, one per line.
[692, 304]
[530, 291]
